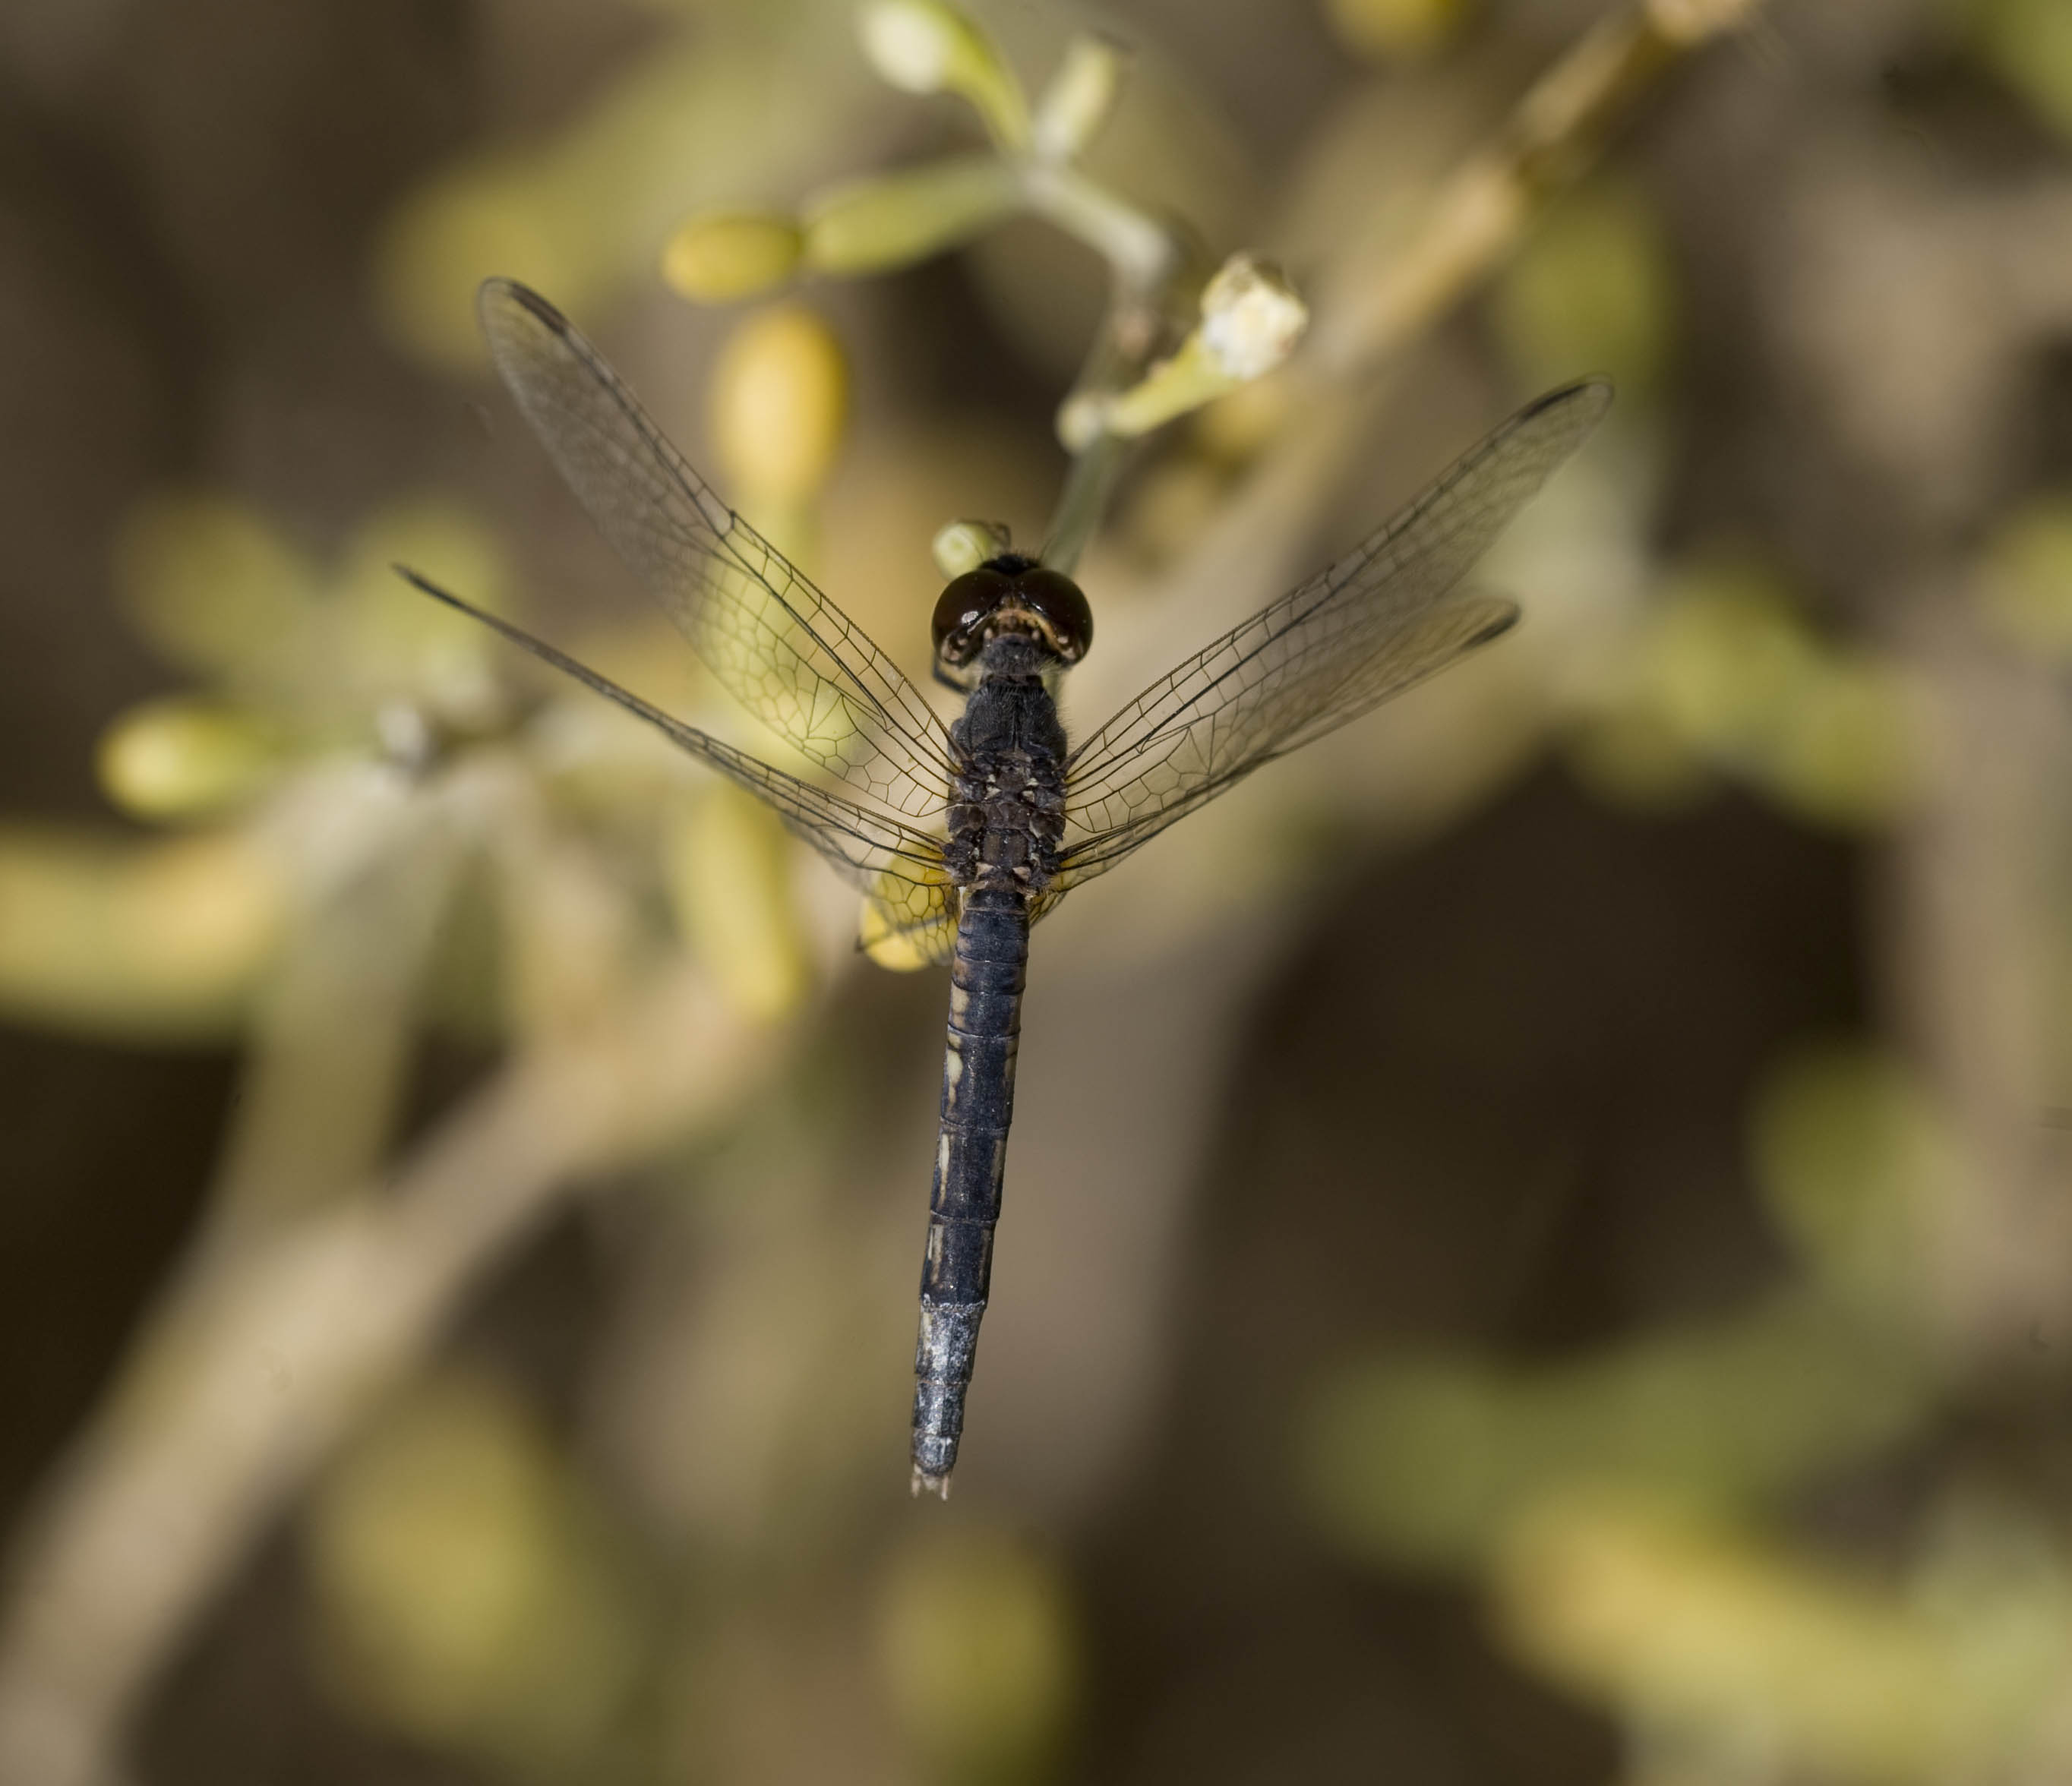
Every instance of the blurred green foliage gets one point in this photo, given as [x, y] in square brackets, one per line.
[1726, 677]
[1621, 1509]
[468, 1590]
[1389, 30]
[979, 1652]
[1853, 1160]
[307, 656]
[1434, 1461]
[2029, 44]
[162, 942]
[2025, 585]
[1592, 286]
[1732, 1653]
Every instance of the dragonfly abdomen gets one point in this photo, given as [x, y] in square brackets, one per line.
[986, 979]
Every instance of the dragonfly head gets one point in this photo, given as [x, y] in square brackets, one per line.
[1009, 595]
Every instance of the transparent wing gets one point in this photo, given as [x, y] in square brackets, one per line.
[785, 651]
[1384, 616]
[898, 865]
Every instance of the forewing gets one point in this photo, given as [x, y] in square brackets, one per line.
[779, 646]
[1427, 643]
[1384, 616]
[897, 864]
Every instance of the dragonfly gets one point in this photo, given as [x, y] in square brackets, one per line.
[962, 835]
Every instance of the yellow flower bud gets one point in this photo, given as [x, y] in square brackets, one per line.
[109, 939]
[722, 256]
[1392, 30]
[729, 865]
[779, 405]
[179, 757]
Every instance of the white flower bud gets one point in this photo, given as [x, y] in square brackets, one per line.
[1080, 96]
[1251, 317]
[928, 46]
[910, 42]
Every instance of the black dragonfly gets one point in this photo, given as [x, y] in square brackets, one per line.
[962, 836]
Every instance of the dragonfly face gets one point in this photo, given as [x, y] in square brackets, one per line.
[1010, 594]
[962, 837]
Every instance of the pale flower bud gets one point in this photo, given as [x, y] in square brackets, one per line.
[180, 757]
[1251, 317]
[910, 42]
[720, 256]
[965, 545]
[926, 47]
[1080, 96]
[779, 405]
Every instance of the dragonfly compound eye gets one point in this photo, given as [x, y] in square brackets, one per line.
[1056, 600]
[962, 609]
[1012, 594]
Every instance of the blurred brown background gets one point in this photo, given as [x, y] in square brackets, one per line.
[1537, 1233]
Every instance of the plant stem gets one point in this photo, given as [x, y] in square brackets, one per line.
[1145, 260]
[261, 1357]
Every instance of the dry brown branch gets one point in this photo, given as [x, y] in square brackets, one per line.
[261, 1358]
[1972, 897]
[1387, 290]
[1390, 290]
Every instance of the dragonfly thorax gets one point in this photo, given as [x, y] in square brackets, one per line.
[1007, 795]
